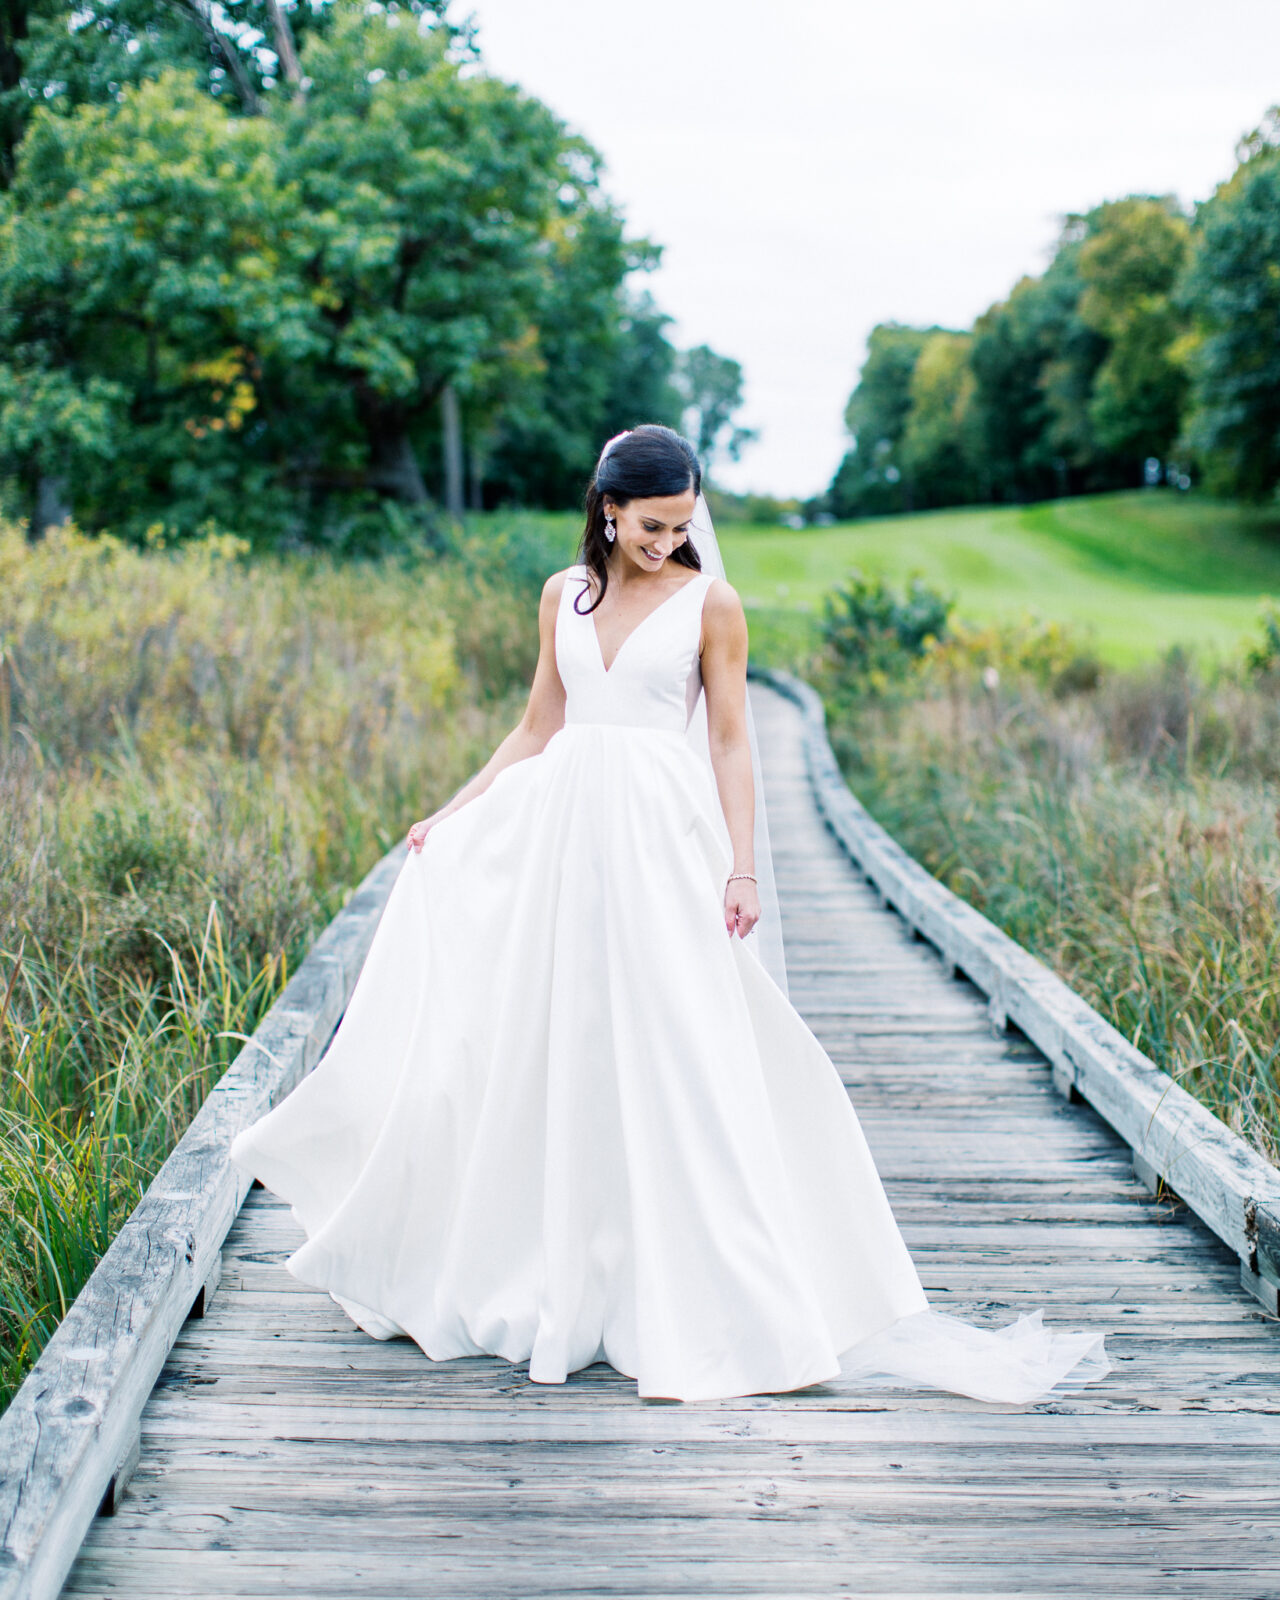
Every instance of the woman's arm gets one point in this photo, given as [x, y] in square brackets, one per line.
[724, 683]
[543, 716]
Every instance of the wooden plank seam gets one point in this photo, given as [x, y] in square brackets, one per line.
[69, 1439]
[1176, 1141]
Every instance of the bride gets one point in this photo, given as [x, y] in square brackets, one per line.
[569, 1116]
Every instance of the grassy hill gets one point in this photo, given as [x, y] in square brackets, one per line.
[1139, 571]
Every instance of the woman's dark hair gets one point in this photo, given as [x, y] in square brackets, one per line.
[648, 463]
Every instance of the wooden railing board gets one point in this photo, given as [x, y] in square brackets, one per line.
[1175, 1139]
[275, 1419]
[69, 1438]
[70, 1435]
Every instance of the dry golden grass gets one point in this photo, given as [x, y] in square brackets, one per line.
[199, 759]
[1124, 829]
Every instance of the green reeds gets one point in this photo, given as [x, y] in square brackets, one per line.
[1125, 831]
[199, 759]
[100, 1077]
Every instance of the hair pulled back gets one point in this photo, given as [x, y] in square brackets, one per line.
[648, 463]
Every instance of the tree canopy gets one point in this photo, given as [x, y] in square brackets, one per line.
[276, 266]
[710, 387]
[1233, 288]
[1153, 336]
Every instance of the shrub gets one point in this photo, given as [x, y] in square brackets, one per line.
[874, 633]
[1264, 655]
[1125, 831]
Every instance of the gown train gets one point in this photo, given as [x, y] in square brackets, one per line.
[566, 1118]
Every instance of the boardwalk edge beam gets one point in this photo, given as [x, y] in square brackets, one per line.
[1176, 1141]
[69, 1438]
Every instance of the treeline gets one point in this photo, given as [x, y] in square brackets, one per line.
[306, 272]
[1148, 350]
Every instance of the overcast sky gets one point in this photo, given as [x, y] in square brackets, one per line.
[816, 167]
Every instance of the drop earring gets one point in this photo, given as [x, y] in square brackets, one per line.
[610, 532]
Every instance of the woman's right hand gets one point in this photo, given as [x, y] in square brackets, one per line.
[420, 830]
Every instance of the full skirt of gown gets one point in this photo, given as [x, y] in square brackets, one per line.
[567, 1118]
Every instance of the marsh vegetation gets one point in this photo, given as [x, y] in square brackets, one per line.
[1123, 824]
[200, 757]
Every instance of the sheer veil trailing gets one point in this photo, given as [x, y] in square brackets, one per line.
[1016, 1364]
[513, 1146]
[925, 1347]
[766, 936]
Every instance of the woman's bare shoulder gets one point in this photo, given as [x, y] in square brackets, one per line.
[724, 622]
[553, 588]
[722, 605]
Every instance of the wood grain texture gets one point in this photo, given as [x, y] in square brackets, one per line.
[284, 1453]
[1177, 1142]
[67, 1441]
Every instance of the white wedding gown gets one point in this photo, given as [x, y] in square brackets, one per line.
[566, 1118]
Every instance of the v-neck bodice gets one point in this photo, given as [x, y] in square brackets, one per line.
[653, 680]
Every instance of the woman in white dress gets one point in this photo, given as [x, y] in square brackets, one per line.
[569, 1116]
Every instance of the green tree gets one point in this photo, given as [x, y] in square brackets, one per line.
[253, 252]
[938, 437]
[872, 478]
[1232, 288]
[1078, 372]
[604, 363]
[1129, 264]
[267, 309]
[711, 387]
[57, 56]
[436, 191]
[151, 268]
[1069, 353]
[642, 381]
[15, 30]
[1063, 387]
[1032, 371]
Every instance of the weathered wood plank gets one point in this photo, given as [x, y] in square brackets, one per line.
[284, 1453]
[66, 1439]
[467, 1574]
[512, 1420]
[1178, 1140]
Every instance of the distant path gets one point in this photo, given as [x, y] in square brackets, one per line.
[284, 1453]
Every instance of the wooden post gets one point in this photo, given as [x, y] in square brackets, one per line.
[119, 1481]
[201, 1302]
[1178, 1145]
[69, 1438]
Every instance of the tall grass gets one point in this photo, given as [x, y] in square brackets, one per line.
[199, 759]
[1123, 826]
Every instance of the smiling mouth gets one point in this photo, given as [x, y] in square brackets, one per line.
[653, 555]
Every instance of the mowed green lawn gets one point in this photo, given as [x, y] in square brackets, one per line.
[1138, 572]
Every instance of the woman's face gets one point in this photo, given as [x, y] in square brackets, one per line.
[649, 530]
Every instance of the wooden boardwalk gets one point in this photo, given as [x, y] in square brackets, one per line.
[285, 1453]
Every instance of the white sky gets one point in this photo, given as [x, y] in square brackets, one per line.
[816, 167]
